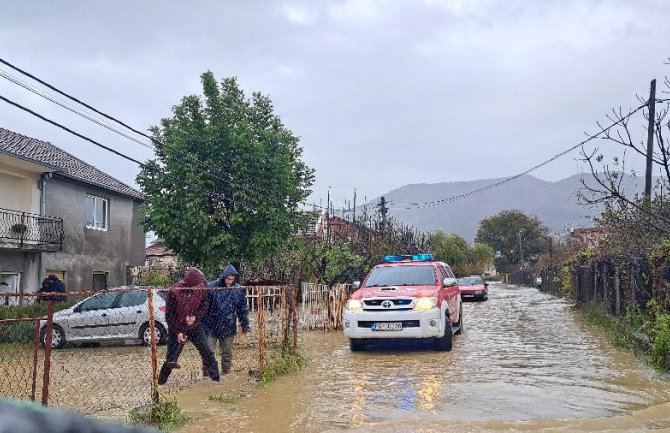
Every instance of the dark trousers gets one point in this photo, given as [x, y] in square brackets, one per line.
[226, 348]
[199, 340]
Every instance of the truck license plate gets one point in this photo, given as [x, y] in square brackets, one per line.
[387, 326]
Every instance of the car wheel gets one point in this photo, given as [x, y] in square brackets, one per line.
[145, 334]
[356, 344]
[444, 343]
[459, 329]
[58, 339]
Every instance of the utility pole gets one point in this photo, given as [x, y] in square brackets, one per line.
[650, 139]
[382, 211]
[354, 216]
[520, 247]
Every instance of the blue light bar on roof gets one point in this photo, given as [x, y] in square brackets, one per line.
[422, 257]
[414, 258]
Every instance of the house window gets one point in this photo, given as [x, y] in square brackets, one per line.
[100, 280]
[97, 211]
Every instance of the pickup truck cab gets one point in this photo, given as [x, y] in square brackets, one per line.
[405, 297]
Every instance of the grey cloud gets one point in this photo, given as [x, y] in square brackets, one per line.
[382, 93]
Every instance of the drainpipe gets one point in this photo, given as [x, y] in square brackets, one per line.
[42, 185]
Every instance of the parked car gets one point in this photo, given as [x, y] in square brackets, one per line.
[405, 297]
[474, 287]
[108, 316]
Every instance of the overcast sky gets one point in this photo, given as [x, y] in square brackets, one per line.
[382, 93]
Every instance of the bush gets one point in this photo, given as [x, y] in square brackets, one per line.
[165, 414]
[23, 332]
[286, 363]
[660, 341]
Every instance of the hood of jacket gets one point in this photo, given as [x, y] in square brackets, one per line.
[228, 271]
[193, 277]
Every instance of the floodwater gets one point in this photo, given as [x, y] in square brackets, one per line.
[524, 363]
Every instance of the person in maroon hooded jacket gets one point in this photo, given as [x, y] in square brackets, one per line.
[187, 304]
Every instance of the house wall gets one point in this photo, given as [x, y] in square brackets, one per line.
[18, 189]
[26, 264]
[85, 250]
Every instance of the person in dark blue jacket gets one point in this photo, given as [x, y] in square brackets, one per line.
[227, 304]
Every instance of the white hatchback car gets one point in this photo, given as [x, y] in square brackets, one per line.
[108, 316]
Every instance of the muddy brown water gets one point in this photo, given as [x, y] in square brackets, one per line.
[525, 362]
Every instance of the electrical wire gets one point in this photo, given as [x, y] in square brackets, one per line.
[452, 199]
[65, 128]
[253, 191]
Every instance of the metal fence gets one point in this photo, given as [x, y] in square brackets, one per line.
[102, 354]
[322, 306]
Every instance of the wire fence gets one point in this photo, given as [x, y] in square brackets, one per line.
[103, 352]
[321, 306]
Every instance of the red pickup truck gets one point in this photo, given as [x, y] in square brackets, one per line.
[405, 297]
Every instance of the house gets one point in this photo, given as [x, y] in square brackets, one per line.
[159, 256]
[60, 215]
[587, 237]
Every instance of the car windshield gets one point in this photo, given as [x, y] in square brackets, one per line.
[412, 275]
[471, 281]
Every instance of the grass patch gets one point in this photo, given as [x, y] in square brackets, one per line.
[635, 332]
[224, 398]
[620, 332]
[166, 415]
[286, 363]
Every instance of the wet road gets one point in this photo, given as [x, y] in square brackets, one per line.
[524, 362]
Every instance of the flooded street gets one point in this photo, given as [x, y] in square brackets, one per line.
[524, 363]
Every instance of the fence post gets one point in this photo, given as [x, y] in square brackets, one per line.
[36, 348]
[259, 294]
[282, 306]
[47, 352]
[294, 309]
[154, 357]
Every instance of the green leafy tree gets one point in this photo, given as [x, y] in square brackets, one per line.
[510, 231]
[240, 202]
[457, 252]
[451, 249]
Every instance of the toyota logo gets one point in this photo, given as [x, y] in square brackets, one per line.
[387, 304]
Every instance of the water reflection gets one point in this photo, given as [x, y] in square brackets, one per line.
[523, 356]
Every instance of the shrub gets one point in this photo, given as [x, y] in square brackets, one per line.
[286, 363]
[23, 332]
[165, 414]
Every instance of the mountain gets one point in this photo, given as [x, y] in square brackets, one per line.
[554, 203]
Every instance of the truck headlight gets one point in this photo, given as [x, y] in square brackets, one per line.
[354, 306]
[423, 304]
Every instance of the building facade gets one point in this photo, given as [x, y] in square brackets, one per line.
[62, 216]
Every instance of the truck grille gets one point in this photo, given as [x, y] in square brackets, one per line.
[397, 304]
[405, 323]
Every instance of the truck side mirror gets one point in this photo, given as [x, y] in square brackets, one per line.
[450, 282]
[356, 285]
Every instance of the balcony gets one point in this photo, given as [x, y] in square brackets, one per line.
[30, 232]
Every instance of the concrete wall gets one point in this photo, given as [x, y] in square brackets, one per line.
[26, 264]
[18, 189]
[85, 250]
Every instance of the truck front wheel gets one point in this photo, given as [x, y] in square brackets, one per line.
[443, 344]
[356, 344]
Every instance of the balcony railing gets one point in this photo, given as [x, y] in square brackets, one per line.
[30, 231]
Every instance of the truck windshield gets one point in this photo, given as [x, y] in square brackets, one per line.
[413, 275]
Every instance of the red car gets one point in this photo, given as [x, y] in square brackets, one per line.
[474, 287]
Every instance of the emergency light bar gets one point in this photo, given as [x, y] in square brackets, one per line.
[413, 258]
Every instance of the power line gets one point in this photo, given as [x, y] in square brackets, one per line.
[65, 128]
[257, 191]
[516, 176]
